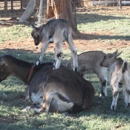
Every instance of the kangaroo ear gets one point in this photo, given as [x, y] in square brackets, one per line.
[118, 54]
[40, 90]
[115, 53]
[33, 27]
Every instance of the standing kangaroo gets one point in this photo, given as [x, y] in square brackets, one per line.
[56, 31]
[90, 61]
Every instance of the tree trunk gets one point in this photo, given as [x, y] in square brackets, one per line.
[29, 10]
[120, 4]
[62, 9]
[79, 3]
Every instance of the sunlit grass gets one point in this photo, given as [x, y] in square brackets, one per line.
[15, 32]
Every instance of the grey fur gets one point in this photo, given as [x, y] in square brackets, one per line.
[90, 62]
[119, 72]
[57, 31]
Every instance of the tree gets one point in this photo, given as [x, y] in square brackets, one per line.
[57, 9]
[40, 17]
[63, 9]
[29, 10]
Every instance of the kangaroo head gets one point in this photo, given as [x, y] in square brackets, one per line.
[4, 69]
[37, 98]
[36, 34]
[110, 58]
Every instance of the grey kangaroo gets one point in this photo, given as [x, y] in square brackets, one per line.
[56, 31]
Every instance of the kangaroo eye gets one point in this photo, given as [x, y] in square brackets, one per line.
[34, 104]
[41, 97]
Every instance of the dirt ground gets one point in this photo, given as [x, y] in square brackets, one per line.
[87, 43]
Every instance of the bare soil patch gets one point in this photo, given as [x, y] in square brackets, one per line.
[86, 43]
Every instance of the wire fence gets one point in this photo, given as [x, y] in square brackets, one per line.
[10, 8]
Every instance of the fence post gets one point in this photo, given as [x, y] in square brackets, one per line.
[5, 5]
[120, 4]
[11, 5]
[21, 4]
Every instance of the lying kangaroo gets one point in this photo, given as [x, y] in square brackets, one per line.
[60, 90]
[58, 84]
[23, 70]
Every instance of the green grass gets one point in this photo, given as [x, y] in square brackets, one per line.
[16, 33]
[91, 22]
[97, 117]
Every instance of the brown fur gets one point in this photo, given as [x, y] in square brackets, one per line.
[68, 84]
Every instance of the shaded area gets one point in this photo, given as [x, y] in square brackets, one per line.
[26, 55]
[5, 120]
[103, 37]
